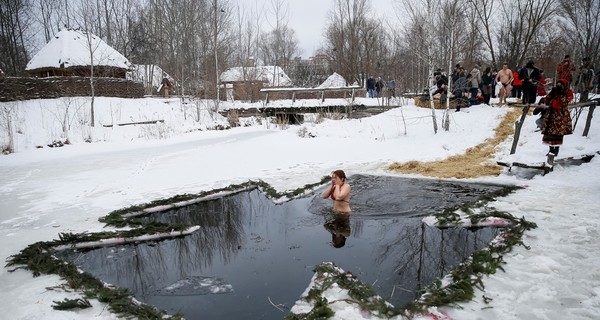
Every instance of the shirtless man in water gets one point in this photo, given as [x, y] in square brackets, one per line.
[505, 77]
[339, 192]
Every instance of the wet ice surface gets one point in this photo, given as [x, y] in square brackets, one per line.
[195, 285]
[256, 254]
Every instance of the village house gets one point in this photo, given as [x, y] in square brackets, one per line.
[65, 66]
[244, 83]
[68, 54]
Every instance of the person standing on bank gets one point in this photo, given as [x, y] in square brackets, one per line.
[370, 86]
[557, 118]
[530, 75]
[585, 80]
[339, 192]
[475, 83]
[541, 88]
[487, 81]
[505, 77]
[378, 87]
[517, 84]
[565, 70]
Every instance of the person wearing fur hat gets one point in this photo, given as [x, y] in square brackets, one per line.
[530, 75]
[557, 118]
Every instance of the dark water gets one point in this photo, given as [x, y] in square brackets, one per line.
[250, 250]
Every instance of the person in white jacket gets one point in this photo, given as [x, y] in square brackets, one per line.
[475, 82]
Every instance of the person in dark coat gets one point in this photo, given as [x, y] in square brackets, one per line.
[585, 80]
[487, 81]
[459, 89]
[378, 87]
[530, 75]
[370, 86]
[441, 84]
[557, 118]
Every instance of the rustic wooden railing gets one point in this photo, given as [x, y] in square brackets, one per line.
[298, 90]
[519, 124]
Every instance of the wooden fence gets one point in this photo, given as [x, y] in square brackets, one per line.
[519, 124]
[294, 91]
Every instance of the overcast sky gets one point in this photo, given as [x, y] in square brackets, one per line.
[309, 18]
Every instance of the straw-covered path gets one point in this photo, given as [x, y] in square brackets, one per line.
[475, 162]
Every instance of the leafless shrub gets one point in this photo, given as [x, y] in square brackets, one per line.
[329, 115]
[233, 118]
[302, 132]
[155, 131]
[281, 122]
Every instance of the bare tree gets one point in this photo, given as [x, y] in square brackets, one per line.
[280, 45]
[87, 16]
[344, 37]
[453, 14]
[582, 25]
[48, 13]
[220, 14]
[14, 37]
[423, 22]
[7, 115]
[483, 11]
[521, 23]
[245, 33]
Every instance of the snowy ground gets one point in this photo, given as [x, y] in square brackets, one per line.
[47, 191]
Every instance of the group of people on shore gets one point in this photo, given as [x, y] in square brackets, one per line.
[529, 82]
[375, 87]
[526, 83]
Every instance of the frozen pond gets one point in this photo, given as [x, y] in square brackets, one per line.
[251, 252]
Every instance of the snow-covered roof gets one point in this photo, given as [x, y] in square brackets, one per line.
[148, 74]
[71, 48]
[273, 75]
[333, 81]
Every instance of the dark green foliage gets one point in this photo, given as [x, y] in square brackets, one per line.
[450, 216]
[69, 304]
[35, 257]
[117, 218]
[361, 294]
[469, 274]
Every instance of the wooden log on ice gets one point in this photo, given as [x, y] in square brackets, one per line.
[117, 241]
[134, 123]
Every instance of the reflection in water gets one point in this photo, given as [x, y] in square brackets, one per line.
[253, 252]
[339, 227]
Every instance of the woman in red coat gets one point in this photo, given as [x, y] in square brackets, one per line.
[541, 88]
[557, 118]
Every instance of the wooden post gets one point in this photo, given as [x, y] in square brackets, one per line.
[293, 96]
[518, 126]
[588, 122]
[267, 97]
[323, 95]
[353, 94]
